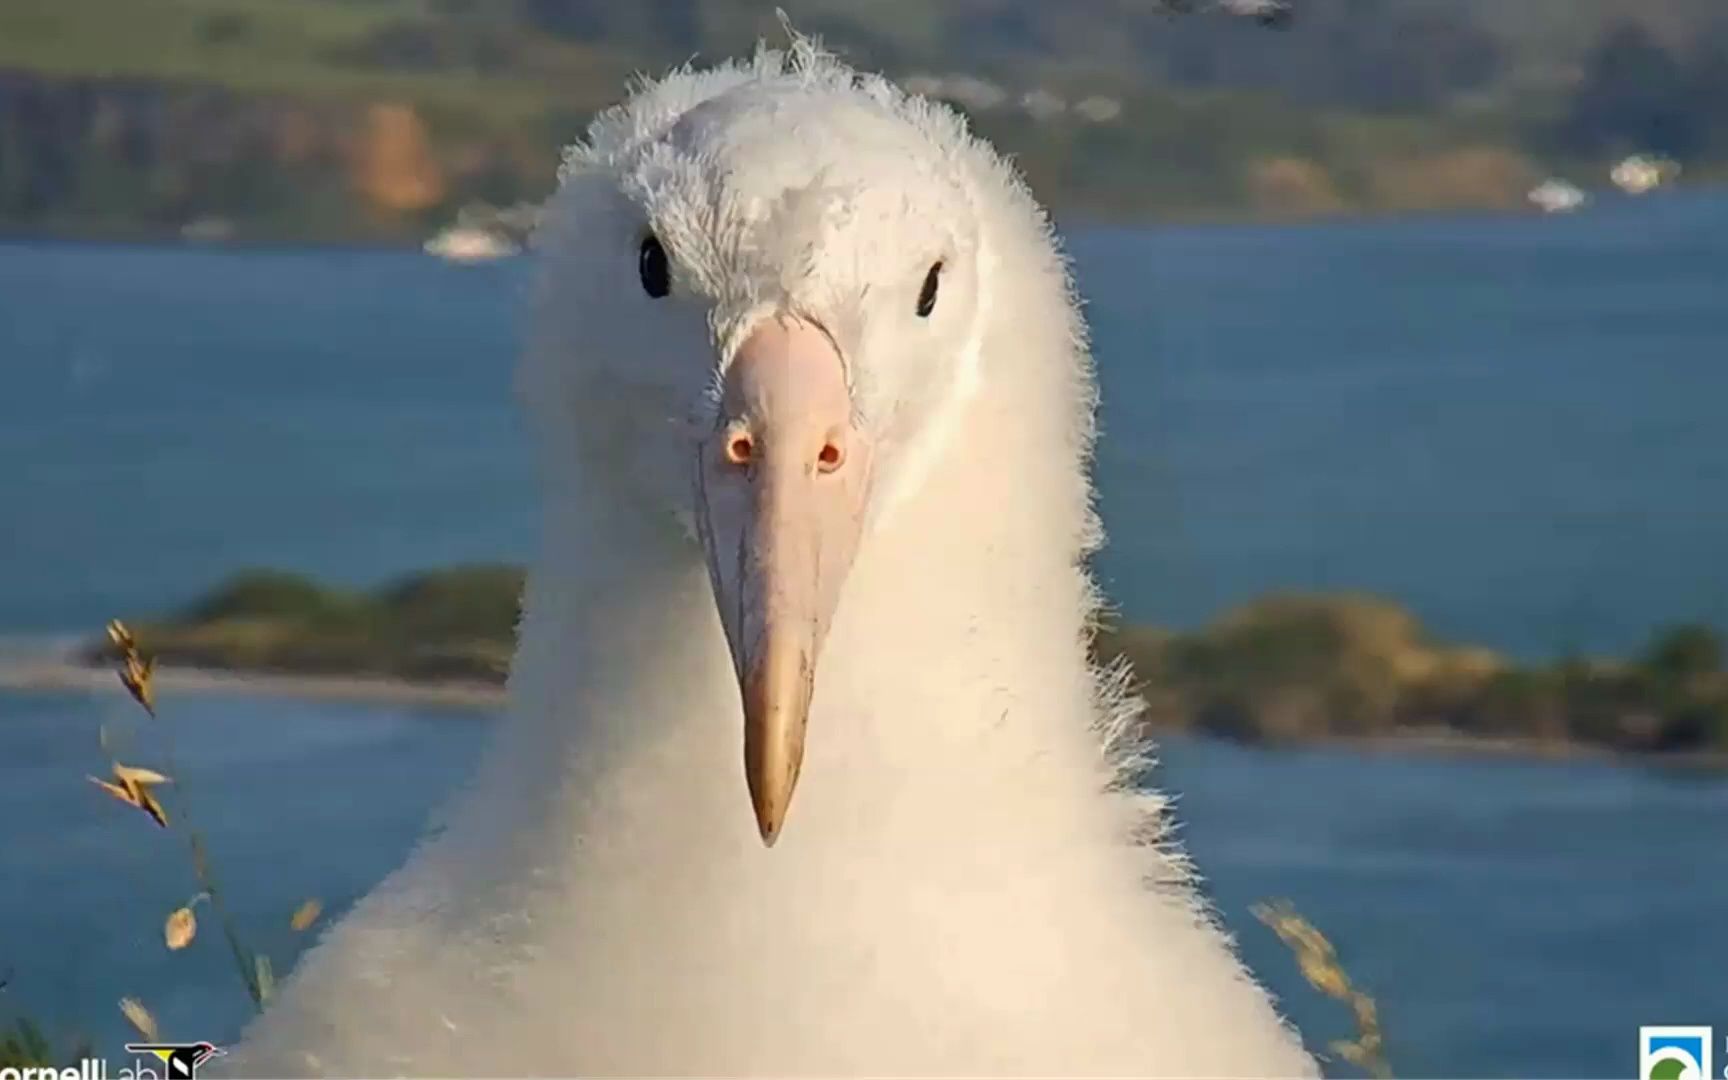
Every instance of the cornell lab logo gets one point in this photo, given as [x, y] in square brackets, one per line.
[180, 1061]
[1674, 1053]
[173, 1061]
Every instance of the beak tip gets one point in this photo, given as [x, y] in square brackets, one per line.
[775, 711]
[769, 820]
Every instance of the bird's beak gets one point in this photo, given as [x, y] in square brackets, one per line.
[780, 493]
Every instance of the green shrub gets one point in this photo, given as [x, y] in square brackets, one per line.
[465, 602]
[1684, 651]
[272, 594]
[23, 1046]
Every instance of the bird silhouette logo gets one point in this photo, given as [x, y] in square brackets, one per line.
[180, 1060]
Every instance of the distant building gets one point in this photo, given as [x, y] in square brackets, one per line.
[927, 86]
[1641, 173]
[977, 95]
[1042, 104]
[1097, 109]
[973, 92]
[207, 230]
[967, 91]
[1556, 196]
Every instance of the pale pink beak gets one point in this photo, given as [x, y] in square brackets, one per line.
[781, 490]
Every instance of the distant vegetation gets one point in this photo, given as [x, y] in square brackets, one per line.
[1293, 667]
[1281, 669]
[376, 119]
[452, 624]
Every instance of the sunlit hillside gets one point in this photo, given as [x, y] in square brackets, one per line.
[379, 118]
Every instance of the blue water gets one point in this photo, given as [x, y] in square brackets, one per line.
[1511, 918]
[1512, 425]
[296, 800]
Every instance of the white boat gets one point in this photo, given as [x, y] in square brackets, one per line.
[207, 230]
[1641, 173]
[468, 244]
[1557, 196]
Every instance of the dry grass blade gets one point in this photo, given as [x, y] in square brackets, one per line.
[306, 914]
[1321, 967]
[180, 929]
[131, 774]
[132, 787]
[136, 670]
[139, 1017]
[124, 642]
[265, 978]
[200, 862]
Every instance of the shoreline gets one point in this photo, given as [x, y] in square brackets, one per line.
[1440, 742]
[65, 675]
[1078, 218]
[59, 674]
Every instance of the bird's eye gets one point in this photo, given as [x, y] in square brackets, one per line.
[927, 295]
[652, 266]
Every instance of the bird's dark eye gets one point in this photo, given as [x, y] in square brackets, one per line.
[651, 265]
[927, 295]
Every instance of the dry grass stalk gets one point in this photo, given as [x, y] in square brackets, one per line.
[132, 785]
[180, 929]
[140, 1018]
[1321, 967]
[25, 1045]
[306, 914]
[135, 669]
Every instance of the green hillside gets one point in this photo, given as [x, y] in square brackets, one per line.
[378, 118]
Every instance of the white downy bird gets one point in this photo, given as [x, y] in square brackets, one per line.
[814, 414]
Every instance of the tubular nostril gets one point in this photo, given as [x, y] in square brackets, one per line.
[830, 457]
[739, 449]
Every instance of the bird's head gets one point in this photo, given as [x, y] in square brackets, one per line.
[765, 291]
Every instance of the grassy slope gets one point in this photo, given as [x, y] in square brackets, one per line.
[290, 48]
[162, 39]
[1183, 154]
[294, 47]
